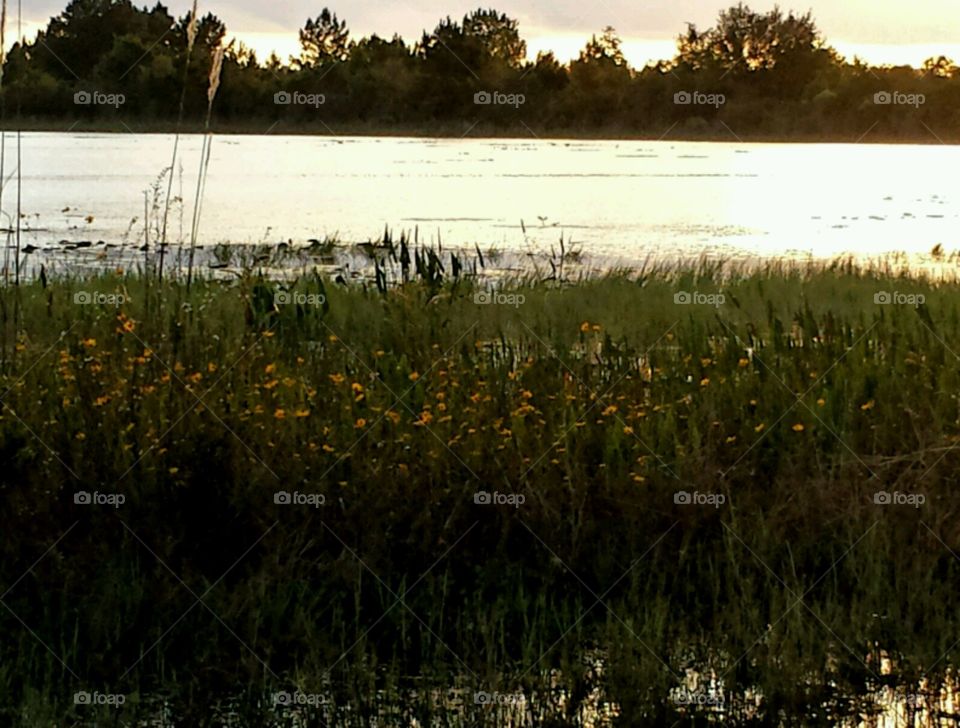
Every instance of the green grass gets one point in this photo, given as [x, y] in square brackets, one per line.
[797, 400]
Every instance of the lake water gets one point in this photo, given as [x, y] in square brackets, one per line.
[618, 201]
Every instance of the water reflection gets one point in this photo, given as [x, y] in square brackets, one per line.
[619, 200]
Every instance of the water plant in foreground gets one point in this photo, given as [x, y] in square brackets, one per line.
[698, 495]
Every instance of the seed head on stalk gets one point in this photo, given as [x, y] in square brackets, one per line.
[3, 40]
[192, 29]
[215, 70]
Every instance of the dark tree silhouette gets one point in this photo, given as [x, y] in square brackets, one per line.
[776, 73]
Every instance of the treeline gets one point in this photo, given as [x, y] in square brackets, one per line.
[750, 74]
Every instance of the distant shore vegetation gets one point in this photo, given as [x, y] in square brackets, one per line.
[107, 64]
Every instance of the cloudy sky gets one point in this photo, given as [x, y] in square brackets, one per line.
[880, 31]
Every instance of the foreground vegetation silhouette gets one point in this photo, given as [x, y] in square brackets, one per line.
[514, 492]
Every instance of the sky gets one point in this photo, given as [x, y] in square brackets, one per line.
[879, 31]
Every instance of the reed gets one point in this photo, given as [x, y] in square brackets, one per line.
[191, 39]
[798, 398]
[216, 67]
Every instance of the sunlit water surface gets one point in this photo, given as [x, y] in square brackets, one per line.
[616, 201]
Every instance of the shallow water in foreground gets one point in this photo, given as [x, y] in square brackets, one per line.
[696, 700]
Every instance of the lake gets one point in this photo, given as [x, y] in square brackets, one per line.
[617, 201]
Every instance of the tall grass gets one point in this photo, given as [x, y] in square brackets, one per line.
[797, 399]
[216, 68]
[191, 39]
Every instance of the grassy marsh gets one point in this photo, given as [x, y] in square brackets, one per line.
[781, 399]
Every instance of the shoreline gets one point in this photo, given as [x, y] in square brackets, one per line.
[279, 262]
[466, 131]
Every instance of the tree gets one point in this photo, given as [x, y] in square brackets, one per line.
[382, 78]
[744, 41]
[324, 40]
[497, 34]
[599, 79]
[605, 50]
[76, 40]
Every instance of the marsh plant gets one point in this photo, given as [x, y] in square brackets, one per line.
[401, 499]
